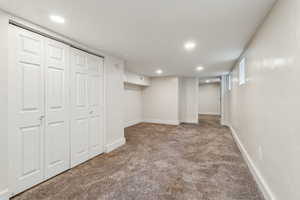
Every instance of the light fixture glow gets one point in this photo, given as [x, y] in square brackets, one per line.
[207, 81]
[189, 45]
[57, 19]
[199, 68]
[159, 71]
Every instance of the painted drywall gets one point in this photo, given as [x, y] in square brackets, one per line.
[209, 98]
[225, 105]
[265, 111]
[161, 101]
[114, 71]
[3, 105]
[133, 104]
[188, 100]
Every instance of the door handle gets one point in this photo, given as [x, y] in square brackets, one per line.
[42, 117]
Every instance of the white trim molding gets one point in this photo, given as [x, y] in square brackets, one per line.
[190, 121]
[132, 123]
[159, 121]
[114, 145]
[4, 194]
[262, 184]
[209, 113]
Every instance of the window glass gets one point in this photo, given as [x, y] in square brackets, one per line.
[242, 75]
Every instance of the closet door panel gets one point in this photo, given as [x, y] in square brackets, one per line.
[87, 100]
[80, 112]
[96, 135]
[95, 88]
[57, 116]
[26, 82]
[81, 140]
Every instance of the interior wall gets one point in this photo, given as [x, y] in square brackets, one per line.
[225, 104]
[3, 105]
[209, 100]
[161, 101]
[265, 111]
[188, 100]
[114, 71]
[133, 104]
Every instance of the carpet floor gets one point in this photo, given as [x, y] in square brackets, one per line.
[186, 162]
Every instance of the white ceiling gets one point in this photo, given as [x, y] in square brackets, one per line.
[149, 34]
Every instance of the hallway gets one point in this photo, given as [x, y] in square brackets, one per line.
[191, 162]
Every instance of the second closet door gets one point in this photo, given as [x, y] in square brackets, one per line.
[87, 107]
[96, 105]
[57, 156]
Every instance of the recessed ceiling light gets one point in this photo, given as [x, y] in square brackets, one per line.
[189, 45]
[199, 68]
[159, 71]
[207, 81]
[57, 19]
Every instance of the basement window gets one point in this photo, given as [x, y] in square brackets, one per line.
[242, 72]
[229, 82]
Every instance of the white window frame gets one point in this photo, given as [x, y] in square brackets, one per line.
[229, 82]
[242, 71]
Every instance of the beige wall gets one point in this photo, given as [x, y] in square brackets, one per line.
[209, 98]
[168, 100]
[265, 111]
[114, 105]
[133, 104]
[161, 101]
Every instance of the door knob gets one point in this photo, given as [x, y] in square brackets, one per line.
[42, 117]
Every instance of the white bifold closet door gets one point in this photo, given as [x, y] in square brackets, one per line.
[38, 113]
[87, 102]
[57, 139]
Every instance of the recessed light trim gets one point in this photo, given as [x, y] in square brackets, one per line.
[199, 68]
[57, 19]
[190, 45]
[159, 71]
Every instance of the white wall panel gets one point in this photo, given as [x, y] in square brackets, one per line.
[114, 80]
[133, 104]
[161, 101]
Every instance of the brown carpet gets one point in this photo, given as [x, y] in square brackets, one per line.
[186, 162]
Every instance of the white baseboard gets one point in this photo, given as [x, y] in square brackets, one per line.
[189, 121]
[224, 123]
[262, 184]
[116, 144]
[4, 195]
[209, 113]
[158, 121]
[133, 122]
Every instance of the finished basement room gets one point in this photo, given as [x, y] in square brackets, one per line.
[149, 100]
